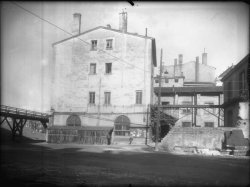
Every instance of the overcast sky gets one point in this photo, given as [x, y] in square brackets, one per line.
[179, 28]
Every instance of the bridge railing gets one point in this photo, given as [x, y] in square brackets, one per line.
[20, 111]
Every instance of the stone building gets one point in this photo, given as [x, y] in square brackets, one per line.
[103, 77]
[236, 96]
[186, 85]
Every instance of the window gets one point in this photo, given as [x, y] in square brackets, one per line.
[109, 44]
[229, 89]
[92, 68]
[186, 124]
[122, 126]
[165, 103]
[138, 97]
[107, 98]
[91, 97]
[186, 110]
[108, 68]
[156, 80]
[209, 124]
[242, 80]
[242, 84]
[166, 80]
[93, 45]
[176, 80]
[73, 120]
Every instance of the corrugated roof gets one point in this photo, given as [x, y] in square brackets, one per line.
[102, 27]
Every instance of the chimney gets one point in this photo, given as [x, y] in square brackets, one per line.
[123, 21]
[76, 26]
[197, 69]
[175, 66]
[180, 58]
[204, 58]
[109, 26]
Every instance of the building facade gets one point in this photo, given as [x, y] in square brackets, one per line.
[103, 77]
[236, 96]
[186, 88]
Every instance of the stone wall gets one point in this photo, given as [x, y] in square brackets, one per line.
[191, 137]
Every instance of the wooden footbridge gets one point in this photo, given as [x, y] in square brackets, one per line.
[16, 118]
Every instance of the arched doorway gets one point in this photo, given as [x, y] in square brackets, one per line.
[122, 126]
[73, 120]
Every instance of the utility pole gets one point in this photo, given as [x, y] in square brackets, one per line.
[159, 103]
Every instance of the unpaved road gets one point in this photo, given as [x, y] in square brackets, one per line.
[33, 163]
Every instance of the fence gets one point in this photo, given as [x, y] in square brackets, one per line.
[81, 135]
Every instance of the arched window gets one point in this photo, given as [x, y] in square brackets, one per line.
[122, 126]
[73, 120]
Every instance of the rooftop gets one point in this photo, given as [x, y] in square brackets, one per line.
[102, 27]
[228, 72]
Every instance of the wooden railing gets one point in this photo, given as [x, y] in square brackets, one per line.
[11, 111]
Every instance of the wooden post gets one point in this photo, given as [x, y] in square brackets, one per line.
[146, 141]
[192, 99]
[195, 110]
[219, 111]
[159, 103]
[14, 127]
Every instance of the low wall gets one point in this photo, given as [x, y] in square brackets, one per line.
[81, 135]
[200, 138]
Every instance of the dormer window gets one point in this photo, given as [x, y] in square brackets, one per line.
[93, 45]
[109, 44]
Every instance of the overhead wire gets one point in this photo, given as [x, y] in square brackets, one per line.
[119, 59]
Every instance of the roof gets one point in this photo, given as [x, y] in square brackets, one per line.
[190, 89]
[232, 70]
[226, 71]
[115, 30]
[102, 27]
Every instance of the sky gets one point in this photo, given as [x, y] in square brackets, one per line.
[179, 28]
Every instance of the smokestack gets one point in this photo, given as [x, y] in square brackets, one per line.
[76, 26]
[175, 65]
[123, 21]
[204, 58]
[180, 58]
[197, 69]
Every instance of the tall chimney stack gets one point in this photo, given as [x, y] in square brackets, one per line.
[204, 58]
[175, 66]
[123, 23]
[197, 69]
[76, 26]
[180, 58]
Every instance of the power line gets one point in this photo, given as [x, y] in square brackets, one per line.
[77, 37]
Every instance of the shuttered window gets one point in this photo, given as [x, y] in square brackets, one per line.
[93, 45]
[107, 96]
[91, 97]
[138, 97]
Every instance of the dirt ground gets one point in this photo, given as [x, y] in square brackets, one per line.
[30, 162]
